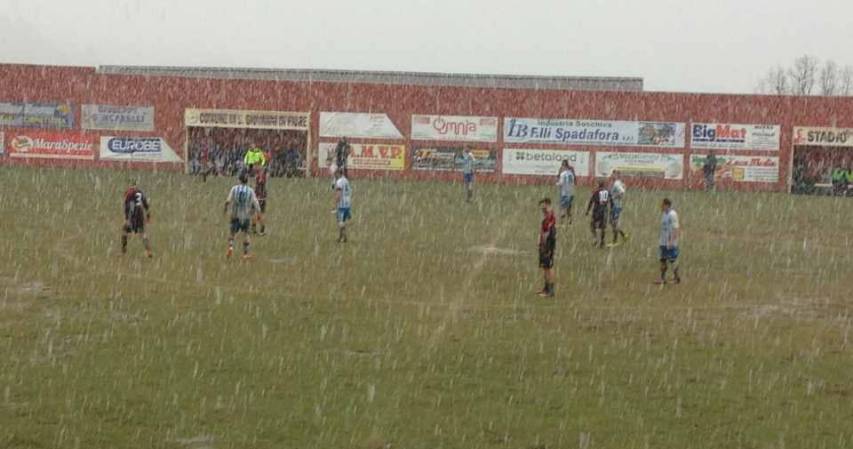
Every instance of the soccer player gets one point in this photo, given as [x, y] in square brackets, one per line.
[617, 195]
[468, 173]
[342, 152]
[261, 193]
[566, 183]
[669, 233]
[343, 202]
[547, 245]
[243, 204]
[709, 169]
[137, 211]
[599, 202]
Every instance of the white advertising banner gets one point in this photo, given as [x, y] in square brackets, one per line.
[827, 137]
[727, 136]
[118, 118]
[523, 161]
[147, 149]
[455, 128]
[594, 132]
[2, 144]
[358, 125]
[740, 168]
[647, 165]
[230, 118]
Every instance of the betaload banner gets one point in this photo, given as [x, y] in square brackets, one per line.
[37, 115]
[51, 145]
[117, 118]
[593, 132]
[731, 137]
[230, 118]
[366, 156]
[143, 149]
[823, 136]
[452, 159]
[739, 168]
[644, 165]
[358, 125]
[538, 162]
[455, 128]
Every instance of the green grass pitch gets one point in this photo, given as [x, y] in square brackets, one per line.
[424, 330]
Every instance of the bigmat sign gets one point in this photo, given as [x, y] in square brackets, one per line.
[229, 118]
[148, 149]
[51, 145]
[37, 115]
[367, 156]
[454, 128]
[593, 132]
[520, 161]
[727, 136]
[827, 137]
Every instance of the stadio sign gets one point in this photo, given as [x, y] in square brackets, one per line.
[830, 137]
[149, 149]
[51, 145]
[727, 136]
[454, 128]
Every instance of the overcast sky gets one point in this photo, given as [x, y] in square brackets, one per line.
[675, 45]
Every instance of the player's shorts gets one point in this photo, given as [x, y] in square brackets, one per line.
[566, 201]
[615, 214]
[344, 214]
[546, 259]
[468, 178]
[263, 203]
[238, 225]
[668, 254]
[136, 225]
[599, 221]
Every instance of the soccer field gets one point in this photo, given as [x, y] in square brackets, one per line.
[424, 330]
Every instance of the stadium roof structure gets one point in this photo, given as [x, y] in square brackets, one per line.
[630, 84]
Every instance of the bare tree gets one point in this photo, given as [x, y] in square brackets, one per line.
[828, 79]
[806, 76]
[845, 81]
[775, 82]
[802, 75]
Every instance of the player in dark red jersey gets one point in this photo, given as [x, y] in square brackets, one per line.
[260, 174]
[137, 212]
[547, 246]
[599, 203]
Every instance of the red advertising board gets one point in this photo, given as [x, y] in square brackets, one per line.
[51, 145]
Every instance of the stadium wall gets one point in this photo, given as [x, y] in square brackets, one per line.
[171, 96]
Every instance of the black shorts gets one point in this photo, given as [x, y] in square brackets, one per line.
[238, 225]
[546, 259]
[263, 203]
[599, 221]
[136, 225]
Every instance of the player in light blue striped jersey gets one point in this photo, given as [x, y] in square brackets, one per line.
[566, 182]
[468, 173]
[343, 203]
[243, 205]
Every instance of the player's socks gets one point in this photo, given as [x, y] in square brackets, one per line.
[245, 248]
[123, 244]
[263, 228]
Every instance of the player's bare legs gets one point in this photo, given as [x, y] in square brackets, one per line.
[147, 244]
